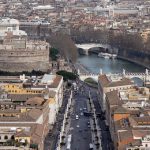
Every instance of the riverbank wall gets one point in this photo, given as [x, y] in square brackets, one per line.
[138, 57]
[82, 68]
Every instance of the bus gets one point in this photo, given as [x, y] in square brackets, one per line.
[74, 86]
[91, 146]
[68, 146]
[69, 142]
[69, 137]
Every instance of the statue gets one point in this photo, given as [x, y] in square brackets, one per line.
[124, 72]
[146, 71]
[101, 71]
[78, 71]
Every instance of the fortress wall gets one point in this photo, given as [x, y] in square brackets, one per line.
[138, 57]
[28, 66]
[23, 53]
[18, 60]
[24, 56]
[24, 59]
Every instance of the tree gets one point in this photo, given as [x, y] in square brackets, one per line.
[67, 75]
[53, 53]
[147, 44]
[65, 45]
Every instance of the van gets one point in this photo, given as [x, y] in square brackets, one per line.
[91, 146]
[77, 117]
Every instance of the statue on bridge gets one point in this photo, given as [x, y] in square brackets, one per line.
[146, 71]
[124, 72]
[78, 71]
[100, 71]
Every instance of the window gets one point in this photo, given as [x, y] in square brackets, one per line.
[14, 28]
[5, 137]
[12, 137]
[26, 141]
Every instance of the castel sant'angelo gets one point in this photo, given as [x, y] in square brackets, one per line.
[19, 54]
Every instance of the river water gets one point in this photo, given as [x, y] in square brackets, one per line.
[93, 63]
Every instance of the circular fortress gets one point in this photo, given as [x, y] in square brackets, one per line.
[17, 55]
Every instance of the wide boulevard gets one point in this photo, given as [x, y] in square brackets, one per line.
[80, 127]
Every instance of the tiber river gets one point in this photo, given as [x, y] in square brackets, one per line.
[93, 63]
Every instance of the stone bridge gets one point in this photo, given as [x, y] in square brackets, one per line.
[145, 76]
[87, 47]
[85, 76]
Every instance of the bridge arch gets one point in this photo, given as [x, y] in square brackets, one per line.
[94, 79]
[86, 76]
[87, 47]
[141, 76]
[138, 81]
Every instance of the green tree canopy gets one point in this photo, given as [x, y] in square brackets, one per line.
[53, 53]
[67, 75]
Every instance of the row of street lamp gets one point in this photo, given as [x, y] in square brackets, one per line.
[63, 127]
[97, 140]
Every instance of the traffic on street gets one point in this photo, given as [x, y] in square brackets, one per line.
[75, 130]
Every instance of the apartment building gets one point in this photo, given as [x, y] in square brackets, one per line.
[128, 116]
[107, 84]
[29, 106]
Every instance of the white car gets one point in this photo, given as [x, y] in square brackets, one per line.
[78, 126]
[81, 113]
[77, 117]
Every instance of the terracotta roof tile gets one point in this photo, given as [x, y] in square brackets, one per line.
[29, 116]
[135, 142]
[121, 110]
[113, 98]
[124, 81]
[34, 113]
[142, 120]
[23, 134]
[140, 133]
[125, 135]
[122, 124]
[22, 97]
[56, 82]
[103, 80]
[35, 101]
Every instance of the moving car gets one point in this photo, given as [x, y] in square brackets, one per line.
[91, 146]
[77, 117]
[78, 126]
